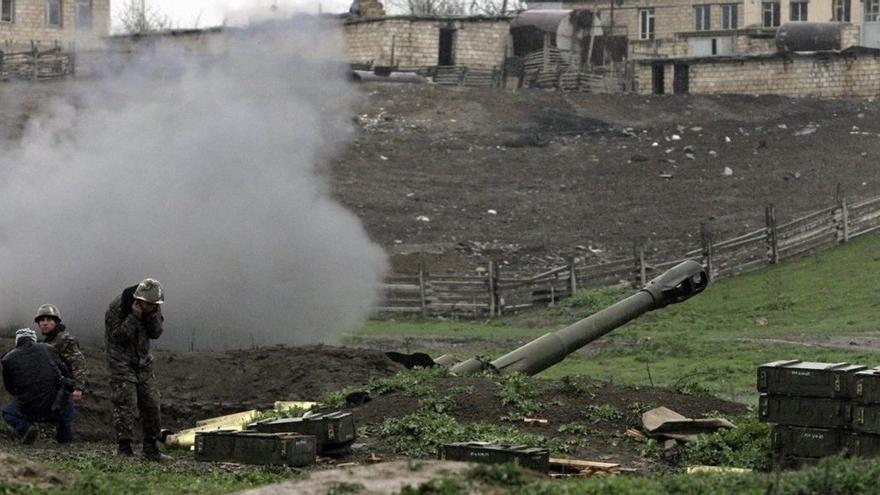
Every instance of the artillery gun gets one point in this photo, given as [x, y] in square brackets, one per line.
[676, 285]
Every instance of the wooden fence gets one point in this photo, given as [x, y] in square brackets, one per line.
[35, 64]
[492, 294]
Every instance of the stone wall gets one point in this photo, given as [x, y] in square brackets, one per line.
[826, 75]
[29, 25]
[479, 42]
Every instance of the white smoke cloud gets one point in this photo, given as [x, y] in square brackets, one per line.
[205, 173]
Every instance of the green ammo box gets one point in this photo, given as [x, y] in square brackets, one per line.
[805, 411]
[867, 386]
[806, 379]
[796, 441]
[864, 445]
[533, 458]
[333, 431]
[256, 448]
[866, 418]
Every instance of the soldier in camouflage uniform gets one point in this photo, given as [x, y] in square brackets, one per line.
[55, 333]
[132, 319]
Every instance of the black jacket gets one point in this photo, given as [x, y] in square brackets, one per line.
[31, 373]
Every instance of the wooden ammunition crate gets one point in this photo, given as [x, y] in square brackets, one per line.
[867, 386]
[808, 379]
[796, 441]
[256, 448]
[333, 431]
[864, 444]
[805, 411]
[533, 458]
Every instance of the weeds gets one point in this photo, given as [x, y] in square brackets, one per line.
[521, 393]
[746, 446]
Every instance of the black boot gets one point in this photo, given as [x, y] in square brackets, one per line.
[151, 452]
[124, 449]
[29, 436]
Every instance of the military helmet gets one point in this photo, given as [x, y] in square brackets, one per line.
[150, 290]
[48, 310]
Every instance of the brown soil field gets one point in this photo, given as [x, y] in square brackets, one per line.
[581, 175]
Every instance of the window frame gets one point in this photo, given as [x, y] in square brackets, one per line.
[841, 11]
[803, 7]
[47, 5]
[647, 24]
[730, 16]
[872, 14]
[774, 9]
[11, 19]
[703, 17]
[79, 7]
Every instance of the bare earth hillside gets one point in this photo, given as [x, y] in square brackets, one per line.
[534, 178]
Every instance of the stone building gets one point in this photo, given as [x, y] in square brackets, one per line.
[472, 41]
[69, 24]
[678, 28]
[852, 72]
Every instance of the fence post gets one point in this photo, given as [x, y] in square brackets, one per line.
[492, 306]
[706, 241]
[424, 300]
[572, 274]
[772, 241]
[641, 269]
[843, 226]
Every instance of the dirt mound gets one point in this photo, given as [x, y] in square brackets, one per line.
[198, 385]
[590, 417]
[16, 471]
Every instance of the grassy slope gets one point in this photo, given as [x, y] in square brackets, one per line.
[713, 340]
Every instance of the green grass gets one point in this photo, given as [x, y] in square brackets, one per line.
[711, 342]
[98, 472]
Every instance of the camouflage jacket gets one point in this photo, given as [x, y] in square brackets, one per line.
[127, 338]
[68, 349]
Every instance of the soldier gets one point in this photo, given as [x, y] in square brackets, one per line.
[37, 379]
[132, 319]
[55, 333]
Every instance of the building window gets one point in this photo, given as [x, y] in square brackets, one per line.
[729, 18]
[770, 12]
[84, 15]
[872, 10]
[53, 13]
[798, 11]
[702, 16]
[646, 24]
[7, 11]
[841, 10]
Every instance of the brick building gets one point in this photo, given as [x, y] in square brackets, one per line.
[70, 24]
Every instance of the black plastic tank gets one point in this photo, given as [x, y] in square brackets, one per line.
[808, 36]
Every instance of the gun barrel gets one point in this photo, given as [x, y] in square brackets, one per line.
[673, 286]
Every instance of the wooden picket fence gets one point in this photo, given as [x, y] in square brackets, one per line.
[492, 294]
[35, 65]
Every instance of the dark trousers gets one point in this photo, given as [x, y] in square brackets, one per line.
[20, 422]
[132, 398]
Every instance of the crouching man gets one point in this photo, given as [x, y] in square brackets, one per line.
[132, 320]
[40, 386]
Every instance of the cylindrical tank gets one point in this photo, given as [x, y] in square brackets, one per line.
[673, 286]
[808, 36]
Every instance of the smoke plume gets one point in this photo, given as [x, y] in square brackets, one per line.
[204, 171]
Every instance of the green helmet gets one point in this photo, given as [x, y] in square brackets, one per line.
[48, 310]
[150, 290]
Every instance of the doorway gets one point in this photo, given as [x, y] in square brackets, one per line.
[446, 55]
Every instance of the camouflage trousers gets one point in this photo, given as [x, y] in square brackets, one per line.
[132, 393]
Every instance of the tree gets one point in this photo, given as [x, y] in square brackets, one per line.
[455, 7]
[136, 16]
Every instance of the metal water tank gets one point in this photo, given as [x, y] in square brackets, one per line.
[808, 36]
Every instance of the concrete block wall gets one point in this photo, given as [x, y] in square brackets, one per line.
[823, 75]
[29, 25]
[416, 42]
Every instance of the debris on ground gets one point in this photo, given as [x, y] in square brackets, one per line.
[664, 423]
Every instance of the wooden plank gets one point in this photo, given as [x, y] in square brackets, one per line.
[808, 216]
